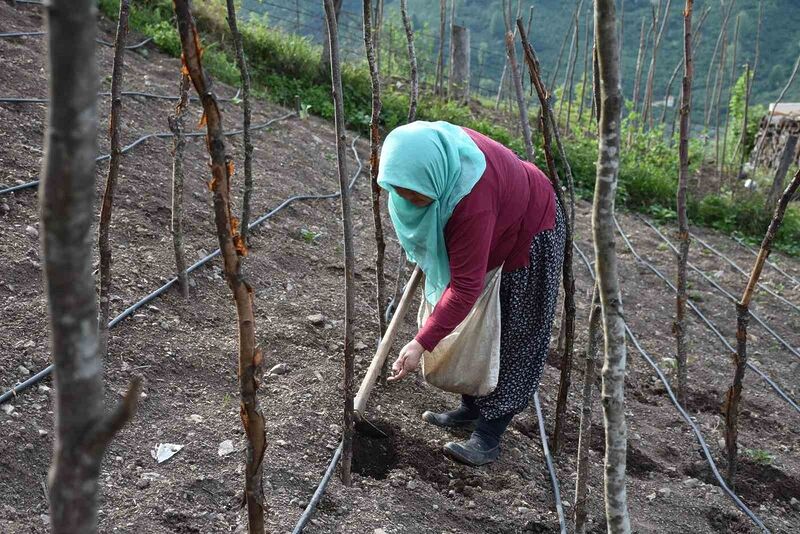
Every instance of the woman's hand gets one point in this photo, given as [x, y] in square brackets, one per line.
[407, 361]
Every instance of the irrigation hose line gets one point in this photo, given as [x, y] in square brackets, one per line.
[703, 445]
[788, 346]
[708, 323]
[22, 386]
[549, 460]
[747, 275]
[9, 35]
[159, 135]
[14, 100]
[775, 266]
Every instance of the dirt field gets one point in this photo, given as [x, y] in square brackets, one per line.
[186, 352]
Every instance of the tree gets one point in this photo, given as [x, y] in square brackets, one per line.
[325, 61]
[232, 247]
[683, 219]
[613, 388]
[178, 145]
[82, 428]
[104, 228]
[347, 230]
[515, 76]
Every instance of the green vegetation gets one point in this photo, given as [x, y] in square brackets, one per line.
[760, 456]
[284, 65]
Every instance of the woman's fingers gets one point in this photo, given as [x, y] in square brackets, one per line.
[398, 368]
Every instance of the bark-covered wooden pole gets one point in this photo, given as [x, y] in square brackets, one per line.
[708, 95]
[683, 220]
[178, 146]
[516, 78]
[347, 228]
[374, 148]
[586, 52]
[734, 395]
[82, 428]
[569, 91]
[651, 72]
[104, 228]
[637, 80]
[724, 158]
[585, 432]
[550, 133]
[440, 57]
[232, 248]
[247, 192]
[412, 62]
[570, 61]
[460, 70]
[613, 389]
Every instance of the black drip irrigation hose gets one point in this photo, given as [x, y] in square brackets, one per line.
[10, 35]
[775, 266]
[14, 100]
[22, 386]
[703, 445]
[323, 484]
[747, 275]
[159, 135]
[549, 460]
[775, 387]
[788, 346]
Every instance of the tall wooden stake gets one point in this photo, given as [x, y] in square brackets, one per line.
[683, 219]
[549, 132]
[232, 247]
[104, 228]
[178, 145]
[515, 77]
[613, 390]
[82, 428]
[247, 193]
[734, 395]
[651, 72]
[440, 58]
[412, 61]
[374, 145]
[723, 160]
[347, 228]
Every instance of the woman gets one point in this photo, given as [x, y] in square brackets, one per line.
[463, 205]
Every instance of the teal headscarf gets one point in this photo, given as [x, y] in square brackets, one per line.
[438, 160]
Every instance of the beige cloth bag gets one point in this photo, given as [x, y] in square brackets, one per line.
[468, 359]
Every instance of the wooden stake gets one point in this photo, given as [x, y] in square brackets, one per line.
[175, 122]
[678, 326]
[734, 395]
[231, 247]
[104, 227]
[515, 76]
[347, 228]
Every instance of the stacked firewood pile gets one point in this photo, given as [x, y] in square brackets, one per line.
[773, 136]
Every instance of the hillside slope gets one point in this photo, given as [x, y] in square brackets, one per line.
[185, 351]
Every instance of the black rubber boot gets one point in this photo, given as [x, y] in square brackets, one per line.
[465, 416]
[483, 447]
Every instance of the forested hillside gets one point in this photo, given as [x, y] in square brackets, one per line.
[779, 42]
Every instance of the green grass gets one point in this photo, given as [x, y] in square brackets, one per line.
[284, 66]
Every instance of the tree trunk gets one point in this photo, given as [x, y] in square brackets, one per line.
[683, 220]
[247, 192]
[325, 60]
[722, 161]
[637, 80]
[232, 248]
[708, 96]
[787, 158]
[347, 229]
[515, 76]
[613, 389]
[651, 73]
[548, 129]
[743, 137]
[570, 63]
[82, 429]
[377, 34]
[571, 92]
[585, 432]
[459, 81]
[412, 61]
[178, 145]
[731, 406]
[720, 78]
[374, 145]
[104, 228]
[452, 51]
[440, 57]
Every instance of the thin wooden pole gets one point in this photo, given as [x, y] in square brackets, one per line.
[178, 146]
[723, 160]
[104, 227]
[515, 76]
[347, 230]
[683, 219]
[731, 406]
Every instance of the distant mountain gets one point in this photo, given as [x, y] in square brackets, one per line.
[779, 42]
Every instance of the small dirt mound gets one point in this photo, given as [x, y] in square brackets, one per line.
[754, 481]
[373, 454]
[727, 522]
